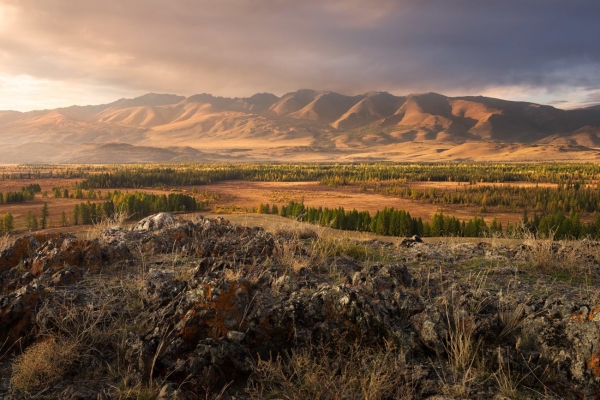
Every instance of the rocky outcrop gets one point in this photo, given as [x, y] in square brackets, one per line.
[217, 296]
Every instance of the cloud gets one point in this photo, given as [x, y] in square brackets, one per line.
[239, 47]
[593, 98]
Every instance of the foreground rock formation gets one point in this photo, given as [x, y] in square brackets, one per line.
[176, 309]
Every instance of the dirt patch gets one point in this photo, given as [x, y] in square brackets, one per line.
[246, 195]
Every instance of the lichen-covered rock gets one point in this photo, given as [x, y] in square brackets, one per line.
[156, 222]
[216, 296]
[55, 254]
[17, 313]
[567, 336]
[22, 248]
[431, 329]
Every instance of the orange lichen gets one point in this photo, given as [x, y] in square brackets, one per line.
[76, 253]
[226, 307]
[264, 325]
[383, 286]
[594, 363]
[223, 308]
[578, 317]
[177, 236]
[594, 314]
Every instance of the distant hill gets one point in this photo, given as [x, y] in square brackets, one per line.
[306, 124]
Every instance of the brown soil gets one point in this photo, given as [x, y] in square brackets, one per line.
[246, 195]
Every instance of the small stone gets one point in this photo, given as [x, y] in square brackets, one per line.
[236, 336]
[166, 392]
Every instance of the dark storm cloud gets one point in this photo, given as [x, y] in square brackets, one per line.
[235, 47]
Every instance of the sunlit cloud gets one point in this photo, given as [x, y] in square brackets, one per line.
[539, 50]
[559, 97]
[23, 93]
[8, 16]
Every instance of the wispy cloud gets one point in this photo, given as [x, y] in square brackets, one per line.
[593, 98]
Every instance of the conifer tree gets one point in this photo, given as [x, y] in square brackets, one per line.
[8, 223]
[44, 216]
[76, 213]
[29, 220]
[63, 219]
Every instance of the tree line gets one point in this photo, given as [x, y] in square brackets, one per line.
[134, 205]
[394, 222]
[27, 193]
[389, 221]
[331, 174]
[338, 174]
[565, 197]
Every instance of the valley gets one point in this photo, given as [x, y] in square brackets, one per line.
[561, 199]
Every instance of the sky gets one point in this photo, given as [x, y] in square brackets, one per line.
[56, 53]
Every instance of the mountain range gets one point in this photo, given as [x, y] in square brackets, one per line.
[305, 125]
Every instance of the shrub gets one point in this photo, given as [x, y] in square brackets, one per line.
[42, 364]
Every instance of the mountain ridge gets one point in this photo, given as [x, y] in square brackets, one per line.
[302, 119]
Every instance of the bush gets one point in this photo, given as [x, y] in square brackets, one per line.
[42, 365]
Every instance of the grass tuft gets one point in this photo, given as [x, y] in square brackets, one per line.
[364, 373]
[43, 364]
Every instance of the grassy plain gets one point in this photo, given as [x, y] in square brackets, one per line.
[501, 191]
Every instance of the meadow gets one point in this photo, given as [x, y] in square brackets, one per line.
[557, 199]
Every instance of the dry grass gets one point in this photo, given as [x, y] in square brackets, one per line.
[513, 384]
[507, 382]
[461, 345]
[580, 257]
[137, 392]
[74, 334]
[116, 221]
[300, 231]
[541, 253]
[571, 261]
[128, 385]
[43, 364]
[288, 256]
[362, 374]
[463, 349]
[303, 247]
[511, 318]
[233, 274]
[5, 241]
[326, 248]
[89, 327]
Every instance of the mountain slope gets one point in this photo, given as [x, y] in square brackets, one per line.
[373, 107]
[305, 119]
